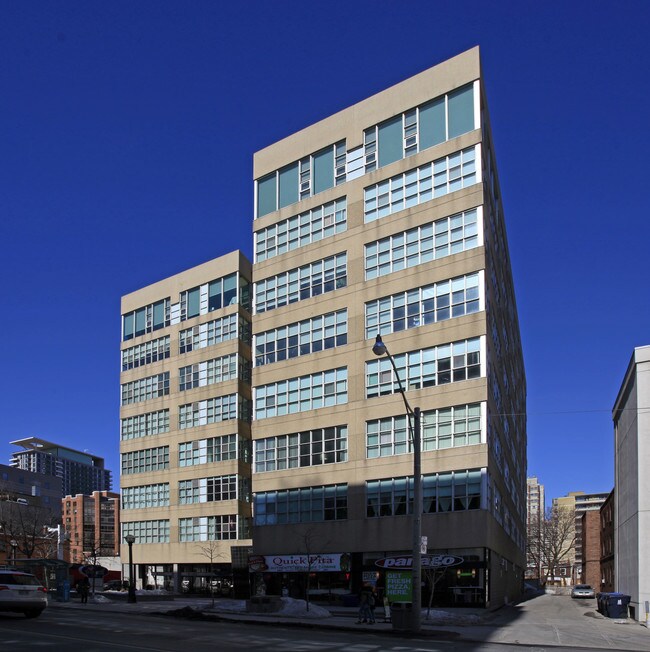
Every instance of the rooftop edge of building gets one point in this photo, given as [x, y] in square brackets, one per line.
[350, 122]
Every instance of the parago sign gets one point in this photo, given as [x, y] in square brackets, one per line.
[428, 561]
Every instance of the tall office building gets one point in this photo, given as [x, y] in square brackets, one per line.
[80, 472]
[185, 432]
[386, 219]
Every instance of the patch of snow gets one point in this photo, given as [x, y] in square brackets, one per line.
[298, 609]
[447, 617]
[291, 608]
[98, 599]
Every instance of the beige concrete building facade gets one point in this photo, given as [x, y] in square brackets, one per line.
[185, 424]
[631, 502]
[386, 218]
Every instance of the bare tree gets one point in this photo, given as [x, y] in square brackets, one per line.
[92, 557]
[551, 540]
[433, 574]
[27, 526]
[210, 550]
[308, 540]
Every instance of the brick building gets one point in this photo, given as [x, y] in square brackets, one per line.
[607, 566]
[92, 523]
[590, 529]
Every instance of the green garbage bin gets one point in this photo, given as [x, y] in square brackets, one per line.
[401, 616]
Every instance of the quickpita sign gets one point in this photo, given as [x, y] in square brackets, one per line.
[299, 563]
[428, 561]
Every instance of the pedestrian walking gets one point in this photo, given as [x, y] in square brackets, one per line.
[365, 611]
[373, 600]
[83, 588]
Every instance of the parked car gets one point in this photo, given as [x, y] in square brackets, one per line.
[583, 591]
[22, 593]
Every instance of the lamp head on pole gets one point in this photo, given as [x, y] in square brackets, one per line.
[130, 539]
[379, 347]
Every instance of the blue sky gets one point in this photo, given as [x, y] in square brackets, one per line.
[127, 131]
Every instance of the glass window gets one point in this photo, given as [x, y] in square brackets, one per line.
[147, 531]
[142, 461]
[304, 505]
[316, 391]
[433, 123]
[213, 410]
[144, 425]
[315, 334]
[390, 141]
[313, 225]
[461, 111]
[288, 180]
[145, 389]
[411, 188]
[152, 495]
[146, 319]
[158, 315]
[140, 321]
[308, 448]
[420, 306]
[323, 163]
[215, 299]
[142, 354]
[193, 303]
[230, 290]
[266, 195]
[127, 326]
[438, 365]
[301, 283]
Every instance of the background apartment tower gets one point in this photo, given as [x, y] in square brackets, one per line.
[386, 218]
[185, 432]
[535, 514]
[535, 499]
[80, 472]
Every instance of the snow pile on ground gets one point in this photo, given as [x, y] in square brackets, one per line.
[440, 617]
[139, 592]
[98, 599]
[291, 608]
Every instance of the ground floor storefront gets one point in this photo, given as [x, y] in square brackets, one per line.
[192, 579]
[464, 577]
[460, 578]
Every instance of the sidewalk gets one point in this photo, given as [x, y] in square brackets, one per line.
[536, 622]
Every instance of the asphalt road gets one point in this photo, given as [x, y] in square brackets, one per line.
[61, 630]
[74, 630]
[545, 623]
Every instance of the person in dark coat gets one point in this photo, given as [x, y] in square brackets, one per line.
[365, 609]
[83, 588]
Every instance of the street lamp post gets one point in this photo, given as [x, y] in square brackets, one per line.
[380, 349]
[14, 545]
[130, 539]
